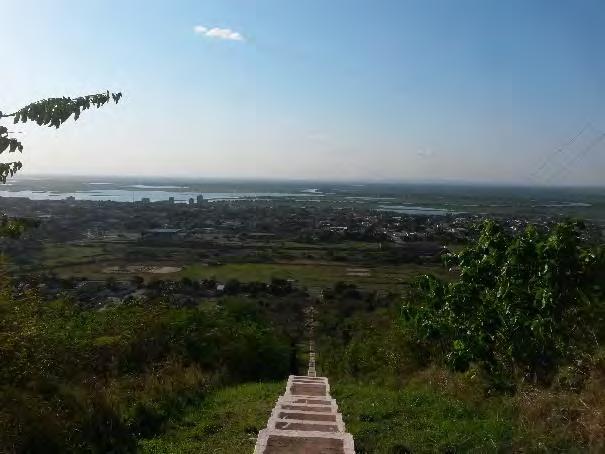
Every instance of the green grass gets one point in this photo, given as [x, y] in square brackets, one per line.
[420, 419]
[58, 254]
[381, 420]
[91, 259]
[311, 275]
[227, 421]
[342, 245]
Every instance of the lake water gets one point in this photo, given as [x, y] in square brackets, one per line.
[406, 199]
[121, 195]
[408, 209]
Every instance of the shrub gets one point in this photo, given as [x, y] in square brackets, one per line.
[524, 304]
[81, 380]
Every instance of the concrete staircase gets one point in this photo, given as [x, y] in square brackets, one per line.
[305, 419]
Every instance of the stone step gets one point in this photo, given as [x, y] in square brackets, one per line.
[302, 414]
[309, 390]
[305, 420]
[306, 415]
[307, 400]
[303, 426]
[305, 407]
[308, 386]
[306, 377]
[275, 441]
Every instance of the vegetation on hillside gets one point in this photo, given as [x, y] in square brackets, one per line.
[227, 421]
[510, 350]
[525, 305]
[505, 355]
[74, 379]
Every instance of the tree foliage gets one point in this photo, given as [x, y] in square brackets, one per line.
[78, 380]
[52, 112]
[14, 227]
[524, 303]
[47, 112]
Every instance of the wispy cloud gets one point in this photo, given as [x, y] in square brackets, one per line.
[218, 33]
[425, 153]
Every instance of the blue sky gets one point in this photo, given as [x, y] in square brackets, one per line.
[363, 90]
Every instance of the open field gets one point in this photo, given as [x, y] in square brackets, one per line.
[56, 255]
[314, 275]
[92, 263]
[98, 261]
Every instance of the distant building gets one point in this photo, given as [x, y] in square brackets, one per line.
[145, 200]
[200, 199]
[171, 200]
[191, 201]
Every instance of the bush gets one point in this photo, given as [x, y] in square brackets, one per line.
[80, 380]
[524, 305]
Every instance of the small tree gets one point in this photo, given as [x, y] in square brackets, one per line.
[523, 306]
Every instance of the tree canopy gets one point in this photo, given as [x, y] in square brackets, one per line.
[524, 305]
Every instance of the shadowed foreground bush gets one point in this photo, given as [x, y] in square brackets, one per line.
[80, 380]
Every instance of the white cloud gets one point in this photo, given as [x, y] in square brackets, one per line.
[218, 33]
[425, 153]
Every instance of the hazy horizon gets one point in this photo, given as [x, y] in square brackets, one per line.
[25, 176]
[462, 92]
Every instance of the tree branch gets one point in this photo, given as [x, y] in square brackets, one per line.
[56, 111]
[47, 112]
[9, 169]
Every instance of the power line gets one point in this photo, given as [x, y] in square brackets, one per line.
[561, 149]
[563, 158]
[566, 166]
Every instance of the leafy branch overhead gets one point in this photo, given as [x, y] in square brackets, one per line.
[47, 112]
